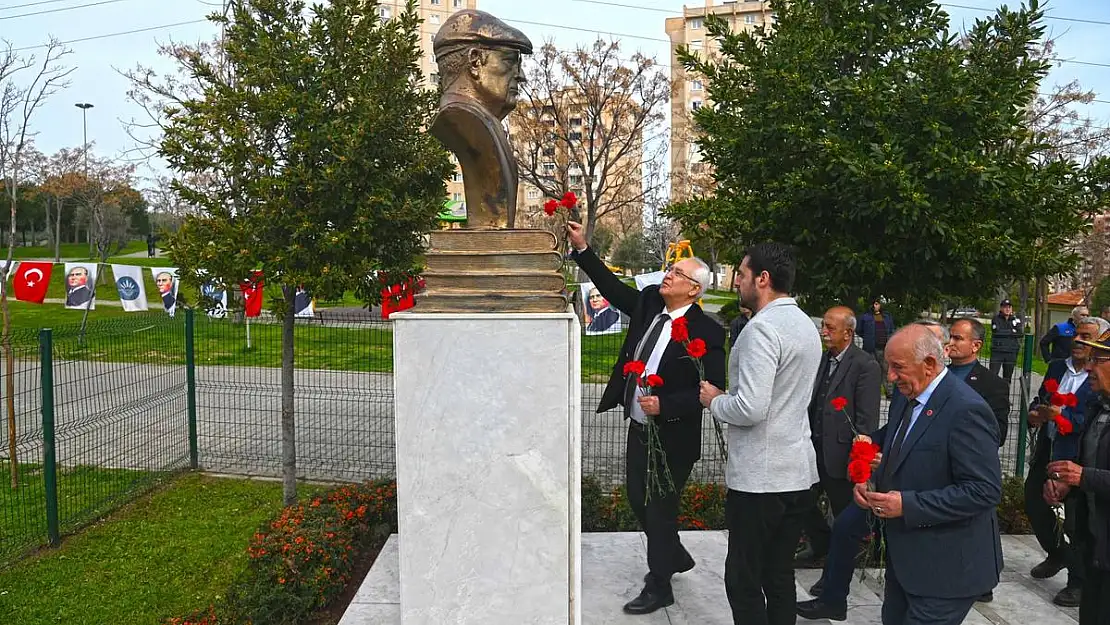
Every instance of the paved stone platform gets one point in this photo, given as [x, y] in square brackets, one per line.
[613, 567]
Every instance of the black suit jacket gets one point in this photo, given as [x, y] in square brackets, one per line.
[679, 407]
[995, 390]
[946, 542]
[856, 379]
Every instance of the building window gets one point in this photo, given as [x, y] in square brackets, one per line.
[576, 180]
[533, 194]
[575, 121]
[434, 18]
[695, 23]
[433, 78]
[549, 168]
[695, 44]
[432, 38]
[457, 197]
[383, 12]
[435, 2]
[457, 3]
[696, 85]
[749, 19]
[576, 135]
[456, 177]
[549, 151]
[695, 104]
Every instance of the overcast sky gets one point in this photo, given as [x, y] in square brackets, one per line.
[638, 24]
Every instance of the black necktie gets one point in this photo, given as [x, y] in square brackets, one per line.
[895, 449]
[647, 344]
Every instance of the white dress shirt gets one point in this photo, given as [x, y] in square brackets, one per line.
[651, 365]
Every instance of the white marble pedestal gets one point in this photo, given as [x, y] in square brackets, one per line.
[488, 468]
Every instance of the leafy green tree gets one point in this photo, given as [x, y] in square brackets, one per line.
[633, 252]
[1101, 297]
[895, 155]
[305, 156]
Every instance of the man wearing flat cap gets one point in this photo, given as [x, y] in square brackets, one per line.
[479, 60]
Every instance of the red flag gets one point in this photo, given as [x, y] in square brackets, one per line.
[31, 280]
[396, 298]
[252, 294]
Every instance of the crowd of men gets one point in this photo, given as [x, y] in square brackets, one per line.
[935, 484]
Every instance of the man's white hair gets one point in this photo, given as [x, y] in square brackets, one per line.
[702, 275]
[1103, 325]
[929, 323]
[927, 343]
[1080, 308]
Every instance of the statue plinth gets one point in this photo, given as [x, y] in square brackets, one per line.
[493, 271]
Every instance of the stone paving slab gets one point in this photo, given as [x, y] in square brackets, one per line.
[613, 565]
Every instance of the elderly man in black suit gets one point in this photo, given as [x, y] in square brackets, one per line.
[937, 488]
[850, 373]
[675, 405]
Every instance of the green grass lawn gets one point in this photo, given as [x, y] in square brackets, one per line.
[164, 555]
[84, 493]
[72, 250]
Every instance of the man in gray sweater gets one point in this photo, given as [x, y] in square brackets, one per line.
[771, 461]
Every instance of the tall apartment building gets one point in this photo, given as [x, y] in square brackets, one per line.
[689, 175]
[434, 13]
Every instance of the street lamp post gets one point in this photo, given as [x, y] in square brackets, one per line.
[85, 106]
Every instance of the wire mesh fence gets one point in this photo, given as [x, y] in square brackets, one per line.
[121, 410]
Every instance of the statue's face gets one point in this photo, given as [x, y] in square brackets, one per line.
[498, 80]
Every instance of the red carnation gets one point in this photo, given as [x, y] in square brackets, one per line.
[1063, 426]
[680, 331]
[654, 381]
[1051, 385]
[838, 403]
[859, 471]
[865, 451]
[1058, 400]
[1071, 400]
[696, 348]
[570, 200]
[550, 206]
[634, 366]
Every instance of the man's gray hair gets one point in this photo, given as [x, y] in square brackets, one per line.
[1080, 308]
[702, 275]
[927, 343]
[850, 321]
[929, 323]
[1103, 325]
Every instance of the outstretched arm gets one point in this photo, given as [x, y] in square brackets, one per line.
[620, 295]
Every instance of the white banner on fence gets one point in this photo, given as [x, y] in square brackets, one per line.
[80, 278]
[166, 280]
[129, 285]
[647, 279]
[215, 299]
[303, 304]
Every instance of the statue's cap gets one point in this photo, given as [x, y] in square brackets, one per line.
[471, 27]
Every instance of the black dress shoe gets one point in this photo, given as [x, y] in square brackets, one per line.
[815, 610]
[1068, 597]
[986, 597]
[815, 590]
[808, 558]
[650, 600]
[1046, 569]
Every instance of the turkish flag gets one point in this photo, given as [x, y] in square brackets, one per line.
[396, 298]
[31, 280]
[252, 294]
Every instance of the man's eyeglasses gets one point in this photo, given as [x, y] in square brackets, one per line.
[678, 272]
[1100, 359]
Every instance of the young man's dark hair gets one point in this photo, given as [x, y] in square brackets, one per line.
[777, 260]
[978, 332]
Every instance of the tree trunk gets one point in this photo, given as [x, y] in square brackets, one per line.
[288, 423]
[1040, 312]
[58, 234]
[9, 355]
[1023, 297]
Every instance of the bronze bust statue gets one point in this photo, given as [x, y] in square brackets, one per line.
[479, 59]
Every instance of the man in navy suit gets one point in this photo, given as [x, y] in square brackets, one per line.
[937, 488]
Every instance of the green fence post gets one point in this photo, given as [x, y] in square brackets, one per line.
[191, 387]
[49, 451]
[1023, 425]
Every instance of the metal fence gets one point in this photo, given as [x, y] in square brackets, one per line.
[102, 415]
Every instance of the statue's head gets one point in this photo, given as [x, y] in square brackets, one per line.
[479, 59]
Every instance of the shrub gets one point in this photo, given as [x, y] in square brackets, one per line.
[703, 507]
[1011, 512]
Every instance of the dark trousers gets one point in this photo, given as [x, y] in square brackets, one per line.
[1094, 607]
[902, 608]
[816, 526]
[1043, 519]
[658, 515]
[763, 532]
[849, 529]
[1005, 363]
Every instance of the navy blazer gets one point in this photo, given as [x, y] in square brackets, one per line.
[946, 542]
[1063, 447]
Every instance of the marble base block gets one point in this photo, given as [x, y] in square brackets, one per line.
[488, 468]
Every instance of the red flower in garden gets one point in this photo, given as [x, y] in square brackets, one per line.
[1051, 385]
[634, 366]
[550, 206]
[838, 403]
[654, 381]
[570, 200]
[680, 331]
[696, 348]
